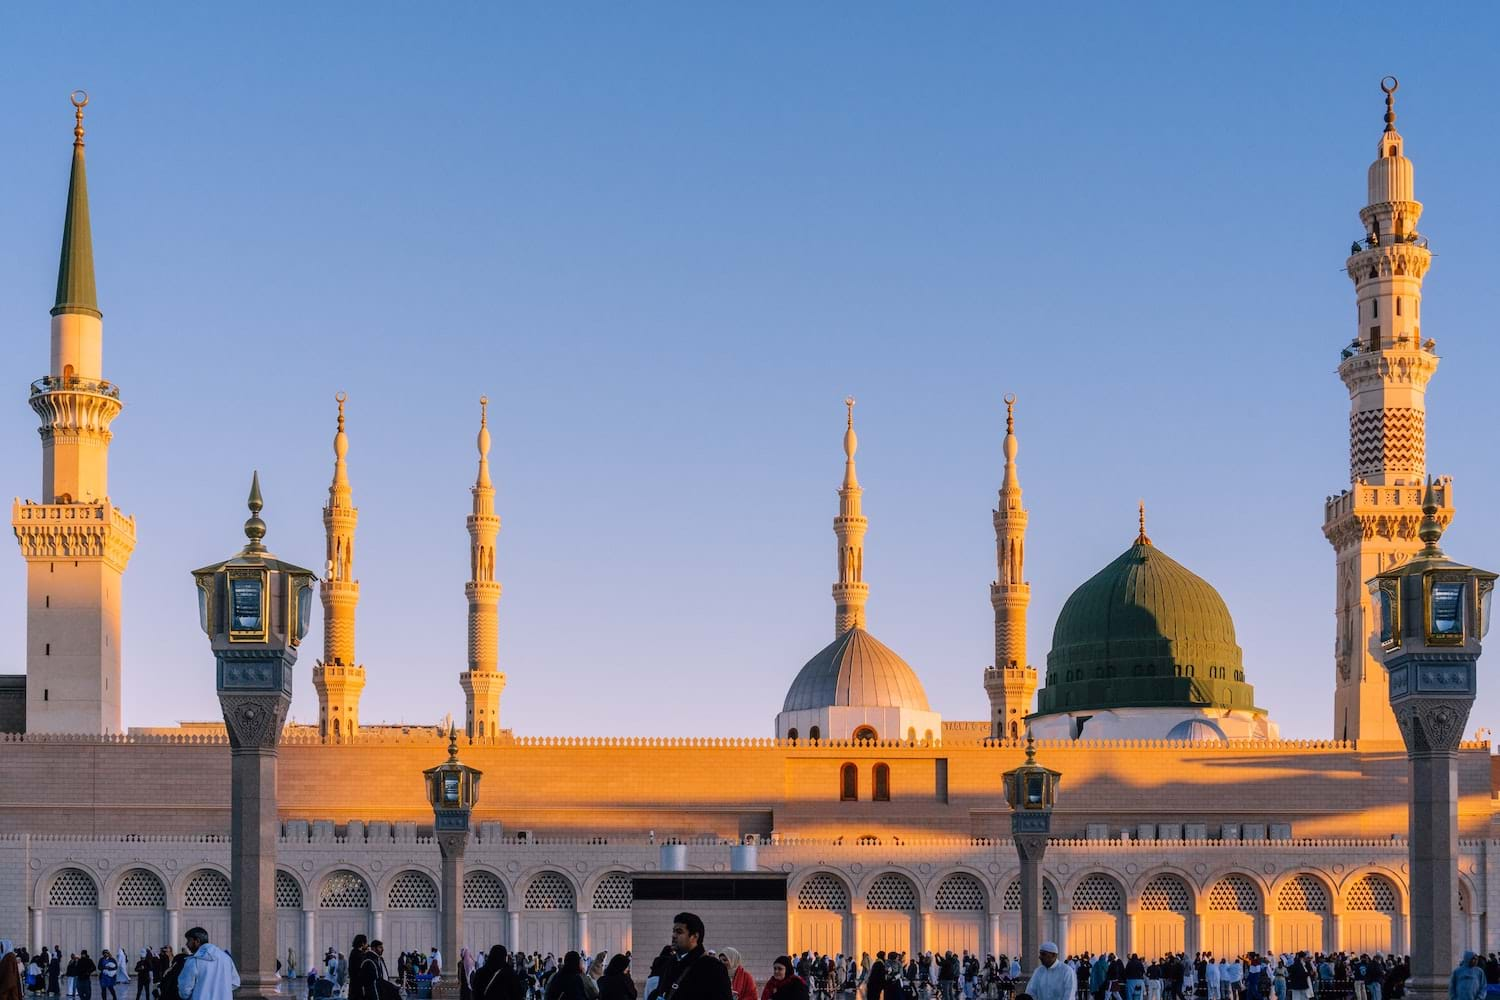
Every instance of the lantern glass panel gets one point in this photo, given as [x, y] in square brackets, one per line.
[245, 604]
[450, 789]
[1034, 790]
[1447, 610]
[304, 608]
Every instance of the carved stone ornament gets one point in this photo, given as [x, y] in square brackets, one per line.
[1031, 846]
[254, 721]
[453, 845]
[1432, 725]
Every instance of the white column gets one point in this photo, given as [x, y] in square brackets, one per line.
[1268, 945]
[1062, 931]
[36, 928]
[995, 934]
[1399, 924]
[1130, 933]
[1335, 933]
[856, 933]
[309, 939]
[174, 928]
[377, 928]
[926, 942]
[583, 934]
[106, 928]
[513, 930]
[1475, 944]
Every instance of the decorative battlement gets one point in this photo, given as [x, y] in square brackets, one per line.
[73, 531]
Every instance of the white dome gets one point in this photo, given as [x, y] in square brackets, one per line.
[858, 670]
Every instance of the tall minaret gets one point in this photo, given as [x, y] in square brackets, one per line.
[1011, 682]
[482, 682]
[338, 677]
[851, 592]
[1373, 524]
[75, 542]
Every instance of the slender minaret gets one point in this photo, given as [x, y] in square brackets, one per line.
[482, 682]
[338, 677]
[75, 542]
[1011, 682]
[851, 592]
[1386, 366]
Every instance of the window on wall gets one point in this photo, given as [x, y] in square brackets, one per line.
[815, 733]
[865, 734]
[849, 783]
[791, 734]
[881, 783]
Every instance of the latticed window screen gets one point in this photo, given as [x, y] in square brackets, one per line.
[959, 892]
[140, 888]
[483, 891]
[344, 890]
[1372, 893]
[288, 892]
[891, 892]
[549, 891]
[1012, 899]
[823, 892]
[1098, 892]
[207, 888]
[614, 892]
[1167, 892]
[1303, 893]
[1235, 893]
[72, 887]
[412, 891]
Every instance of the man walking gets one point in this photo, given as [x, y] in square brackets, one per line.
[696, 975]
[208, 973]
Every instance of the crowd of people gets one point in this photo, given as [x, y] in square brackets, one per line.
[200, 971]
[686, 969]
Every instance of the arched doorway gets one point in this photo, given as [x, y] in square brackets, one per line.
[548, 917]
[73, 911]
[205, 903]
[289, 922]
[411, 914]
[140, 919]
[343, 911]
[1233, 906]
[1301, 914]
[1010, 916]
[609, 924]
[1161, 925]
[1371, 906]
[822, 911]
[890, 914]
[960, 916]
[1098, 906]
[484, 911]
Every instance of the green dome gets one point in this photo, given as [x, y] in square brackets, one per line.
[1144, 632]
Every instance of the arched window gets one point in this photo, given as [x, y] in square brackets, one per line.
[815, 733]
[791, 734]
[865, 734]
[881, 783]
[849, 783]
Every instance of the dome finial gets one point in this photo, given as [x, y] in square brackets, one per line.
[1431, 529]
[1142, 538]
[1389, 84]
[80, 99]
[255, 528]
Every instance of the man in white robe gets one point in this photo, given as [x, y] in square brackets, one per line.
[1051, 979]
[209, 972]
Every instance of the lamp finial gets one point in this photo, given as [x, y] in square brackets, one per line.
[255, 528]
[1030, 748]
[1431, 529]
[452, 743]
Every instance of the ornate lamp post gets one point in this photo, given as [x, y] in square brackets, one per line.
[1031, 790]
[255, 610]
[1433, 614]
[453, 789]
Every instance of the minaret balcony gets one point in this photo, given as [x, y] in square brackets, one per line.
[71, 383]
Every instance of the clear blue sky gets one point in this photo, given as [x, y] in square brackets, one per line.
[667, 240]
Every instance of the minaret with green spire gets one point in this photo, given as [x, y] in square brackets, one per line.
[75, 542]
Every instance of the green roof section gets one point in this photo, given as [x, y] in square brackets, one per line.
[1144, 632]
[75, 270]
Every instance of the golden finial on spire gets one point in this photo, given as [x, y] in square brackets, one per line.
[1431, 529]
[851, 441]
[1010, 413]
[484, 411]
[1030, 748]
[1389, 84]
[341, 397]
[1142, 538]
[80, 99]
[483, 481]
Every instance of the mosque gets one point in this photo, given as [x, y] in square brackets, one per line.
[1184, 823]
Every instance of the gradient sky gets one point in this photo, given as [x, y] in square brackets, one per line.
[667, 240]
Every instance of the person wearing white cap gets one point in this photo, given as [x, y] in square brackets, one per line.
[1051, 979]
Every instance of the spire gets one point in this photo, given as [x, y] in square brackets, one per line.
[1431, 529]
[483, 480]
[75, 268]
[1142, 538]
[850, 592]
[255, 528]
[1390, 100]
[1010, 486]
[339, 492]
